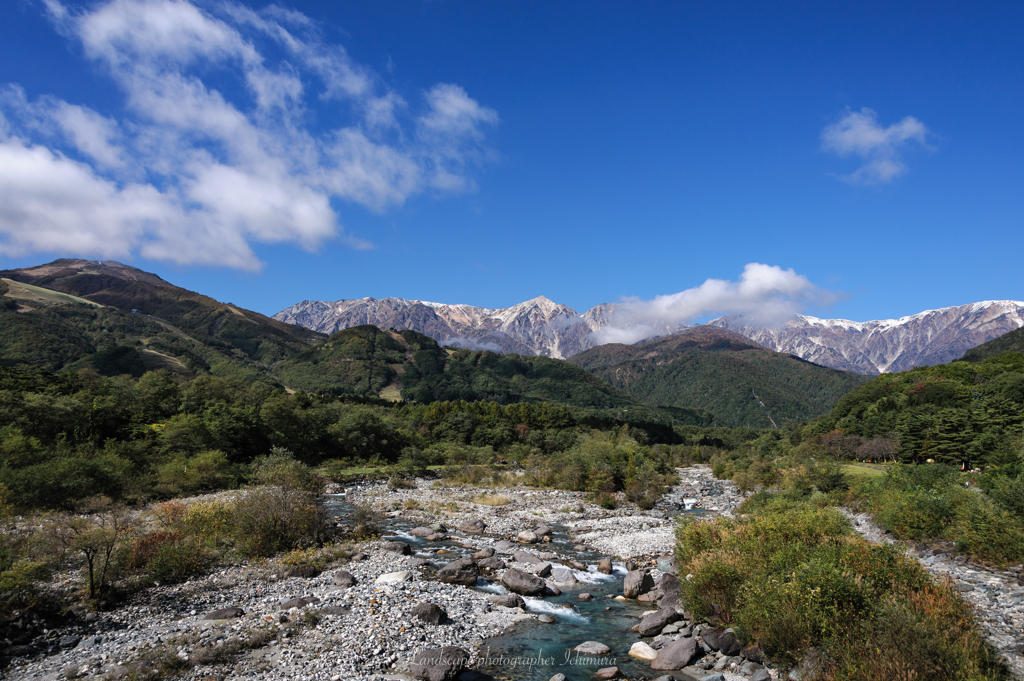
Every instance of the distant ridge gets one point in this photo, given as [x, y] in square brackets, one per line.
[542, 327]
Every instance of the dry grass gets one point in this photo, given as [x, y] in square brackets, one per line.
[491, 500]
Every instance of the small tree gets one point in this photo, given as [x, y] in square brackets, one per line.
[94, 536]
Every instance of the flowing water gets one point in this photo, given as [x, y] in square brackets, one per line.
[533, 651]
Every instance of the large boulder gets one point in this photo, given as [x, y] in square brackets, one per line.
[526, 557]
[461, 571]
[652, 624]
[675, 655]
[592, 648]
[485, 552]
[563, 577]
[222, 614]
[504, 546]
[398, 547]
[394, 577]
[604, 566]
[542, 530]
[492, 563]
[507, 600]
[431, 613]
[642, 651]
[637, 582]
[472, 526]
[300, 602]
[522, 582]
[527, 537]
[344, 579]
[438, 664]
[421, 531]
[728, 644]
[542, 569]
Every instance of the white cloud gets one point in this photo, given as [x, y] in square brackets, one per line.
[217, 145]
[859, 134]
[766, 294]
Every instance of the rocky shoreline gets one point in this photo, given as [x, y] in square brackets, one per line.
[997, 596]
[252, 621]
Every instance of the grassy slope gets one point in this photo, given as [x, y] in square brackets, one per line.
[719, 371]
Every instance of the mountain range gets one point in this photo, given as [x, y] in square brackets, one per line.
[543, 327]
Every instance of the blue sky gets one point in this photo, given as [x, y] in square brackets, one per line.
[487, 153]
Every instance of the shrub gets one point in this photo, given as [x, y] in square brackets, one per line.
[268, 520]
[209, 470]
[366, 523]
[491, 499]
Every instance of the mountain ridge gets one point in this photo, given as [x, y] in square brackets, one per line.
[542, 327]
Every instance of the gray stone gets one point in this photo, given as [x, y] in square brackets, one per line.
[523, 583]
[652, 624]
[636, 583]
[337, 610]
[563, 577]
[542, 569]
[225, 613]
[507, 600]
[604, 566]
[421, 531]
[608, 673]
[431, 613]
[675, 655]
[546, 619]
[749, 668]
[439, 664]
[485, 552]
[557, 677]
[398, 547]
[298, 602]
[344, 579]
[713, 677]
[592, 648]
[492, 563]
[504, 546]
[585, 596]
[542, 530]
[472, 527]
[394, 577]
[70, 641]
[728, 644]
[761, 675]
[527, 537]
[551, 590]
[461, 571]
[526, 557]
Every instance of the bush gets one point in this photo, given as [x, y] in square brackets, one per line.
[366, 523]
[792, 577]
[269, 520]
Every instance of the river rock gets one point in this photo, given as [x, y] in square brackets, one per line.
[675, 655]
[507, 600]
[557, 677]
[472, 526]
[546, 619]
[504, 546]
[461, 571]
[585, 596]
[642, 651]
[438, 664]
[343, 579]
[222, 614]
[492, 563]
[526, 557]
[523, 583]
[542, 530]
[394, 577]
[636, 583]
[398, 547]
[563, 577]
[604, 566]
[300, 602]
[608, 673]
[527, 537]
[592, 648]
[542, 569]
[303, 572]
[652, 624]
[547, 555]
[421, 531]
[485, 552]
[431, 613]
[337, 610]
[551, 590]
[728, 644]
[761, 675]
[576, 565]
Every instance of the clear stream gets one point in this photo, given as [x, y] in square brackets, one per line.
[534, 651]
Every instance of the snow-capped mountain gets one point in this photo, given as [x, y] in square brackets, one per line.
[888, 345]
[542, 327]
[535, 327]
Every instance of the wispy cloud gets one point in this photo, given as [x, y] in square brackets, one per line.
[859, 134]
[766, 295]
[222, 140]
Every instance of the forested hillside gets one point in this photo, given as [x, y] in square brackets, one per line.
[963, 413]
[722, 372]
[1008, 342]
